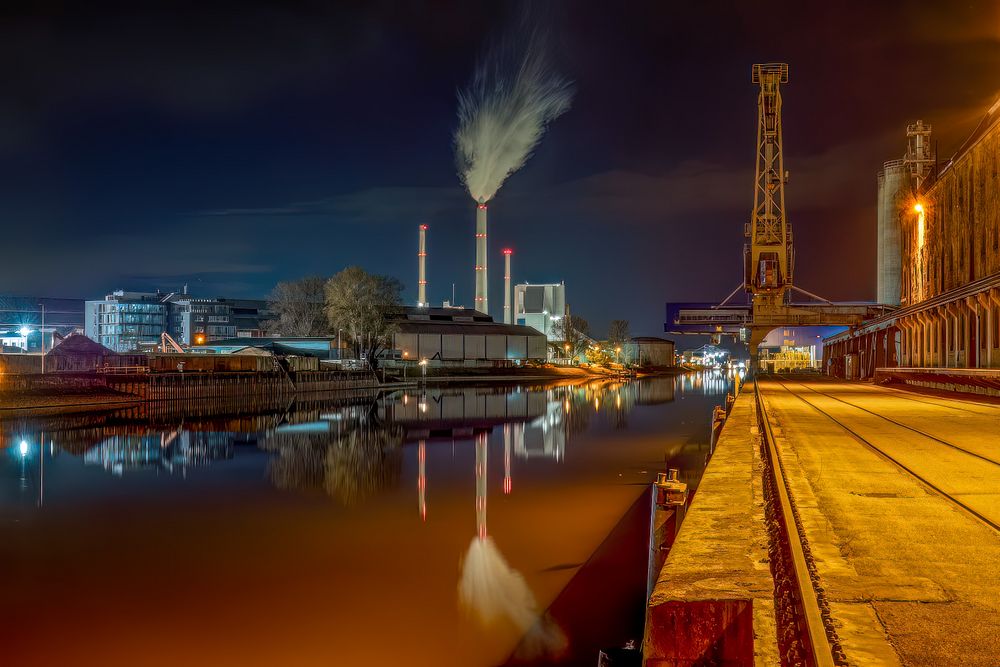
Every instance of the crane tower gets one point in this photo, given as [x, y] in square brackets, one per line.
[768, 257]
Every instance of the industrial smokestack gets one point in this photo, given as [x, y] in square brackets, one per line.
[421, 268]
[482, 301]
[507, 252]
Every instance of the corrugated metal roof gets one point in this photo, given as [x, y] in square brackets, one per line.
[423, 312]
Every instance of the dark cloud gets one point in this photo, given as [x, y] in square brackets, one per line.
[236, 145]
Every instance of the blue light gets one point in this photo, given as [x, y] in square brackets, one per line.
[24, 448]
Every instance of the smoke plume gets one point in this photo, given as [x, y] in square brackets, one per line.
[504, 111]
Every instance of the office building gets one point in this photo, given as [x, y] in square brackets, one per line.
[128, 321]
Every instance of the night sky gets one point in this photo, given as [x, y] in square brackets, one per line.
[233, 148]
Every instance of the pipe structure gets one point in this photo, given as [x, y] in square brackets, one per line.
[482, 303]
[507, 252]
[422, 268]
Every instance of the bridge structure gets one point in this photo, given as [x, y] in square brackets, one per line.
[769, 254]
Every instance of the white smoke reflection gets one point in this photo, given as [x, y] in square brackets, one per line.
[505, 109]
[494, 592]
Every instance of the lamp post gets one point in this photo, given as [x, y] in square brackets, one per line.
[423, 368]
[405, 355]
[566, 348]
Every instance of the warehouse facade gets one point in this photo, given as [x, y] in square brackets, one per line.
[948, 276]
[463, 337]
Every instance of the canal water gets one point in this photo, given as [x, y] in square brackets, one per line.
[445, 526]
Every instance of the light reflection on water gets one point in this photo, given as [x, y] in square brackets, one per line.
[424, 466]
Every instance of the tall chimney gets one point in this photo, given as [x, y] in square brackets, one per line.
[507, 252]
[421, 268]
[482, 302]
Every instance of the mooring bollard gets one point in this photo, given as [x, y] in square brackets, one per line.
[668, 496]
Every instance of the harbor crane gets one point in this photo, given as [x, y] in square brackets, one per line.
[769, 255]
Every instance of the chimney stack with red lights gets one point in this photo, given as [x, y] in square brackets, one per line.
[482, 303]
[422, 269]
[507, 252]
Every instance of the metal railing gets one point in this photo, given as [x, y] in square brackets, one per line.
[122, 370]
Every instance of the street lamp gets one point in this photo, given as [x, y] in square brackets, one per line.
[405, 355]
[423, 368]
[566, 348]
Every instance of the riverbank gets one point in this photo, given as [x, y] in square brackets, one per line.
[446, 375]
[53, 399]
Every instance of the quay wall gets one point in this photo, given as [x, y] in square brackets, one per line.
[713, 602]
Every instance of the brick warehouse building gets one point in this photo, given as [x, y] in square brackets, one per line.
[942, 230]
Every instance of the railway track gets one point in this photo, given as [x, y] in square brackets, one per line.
[918, 431]
[813, 625]
[923, 479]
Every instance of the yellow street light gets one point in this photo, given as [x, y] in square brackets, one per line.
[918, 208]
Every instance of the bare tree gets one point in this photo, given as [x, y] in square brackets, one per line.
[574, 332]
[618, 333]
[362, 304]
[298, 308]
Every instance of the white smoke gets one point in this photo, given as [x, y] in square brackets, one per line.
[504, 111]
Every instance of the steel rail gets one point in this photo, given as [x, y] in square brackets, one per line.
[880, 452]
[898, 423]
[822, 651]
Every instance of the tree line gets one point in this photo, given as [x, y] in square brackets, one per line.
[360, 307]
[356, 305]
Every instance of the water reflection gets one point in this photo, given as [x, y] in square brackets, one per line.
[351, 456]
[550, 447]
[352, 452]
[710, 383]
[495, 593]
[169, 452]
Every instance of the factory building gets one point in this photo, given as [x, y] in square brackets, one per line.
[463, 337]
[949, 261]
[540, 307]
[129, 321]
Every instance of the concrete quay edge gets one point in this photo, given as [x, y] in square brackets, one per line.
[713, 602]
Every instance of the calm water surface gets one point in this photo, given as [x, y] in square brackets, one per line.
[425, 528]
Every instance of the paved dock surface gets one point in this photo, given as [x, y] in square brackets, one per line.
[899, 498]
